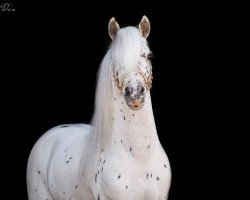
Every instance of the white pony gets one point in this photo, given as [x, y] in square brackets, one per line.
[118, 157]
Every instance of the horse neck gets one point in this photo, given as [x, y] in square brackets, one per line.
[135, 129]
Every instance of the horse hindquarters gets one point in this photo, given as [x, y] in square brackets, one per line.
[38, 164]
[55, 157]
[37, 189]
[37, 178]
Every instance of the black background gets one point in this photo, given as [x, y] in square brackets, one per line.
[51, 54]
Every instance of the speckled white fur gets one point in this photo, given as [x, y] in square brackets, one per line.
[118, 157]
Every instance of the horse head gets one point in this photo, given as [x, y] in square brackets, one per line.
[130, 54]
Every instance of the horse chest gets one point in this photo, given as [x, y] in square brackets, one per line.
[122, 177]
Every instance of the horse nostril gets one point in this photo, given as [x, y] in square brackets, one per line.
[141, 90]
[127, 91]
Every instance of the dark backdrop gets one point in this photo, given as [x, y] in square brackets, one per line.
[51, 54]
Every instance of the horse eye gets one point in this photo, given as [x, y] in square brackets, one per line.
[150, 55]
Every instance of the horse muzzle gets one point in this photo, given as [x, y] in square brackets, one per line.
[135, 96]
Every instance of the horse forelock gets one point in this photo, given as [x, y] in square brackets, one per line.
[126, 48]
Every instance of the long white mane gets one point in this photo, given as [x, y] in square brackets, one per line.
[124, 52]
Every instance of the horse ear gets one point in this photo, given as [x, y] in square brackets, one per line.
[113, 28]
[144, 26]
